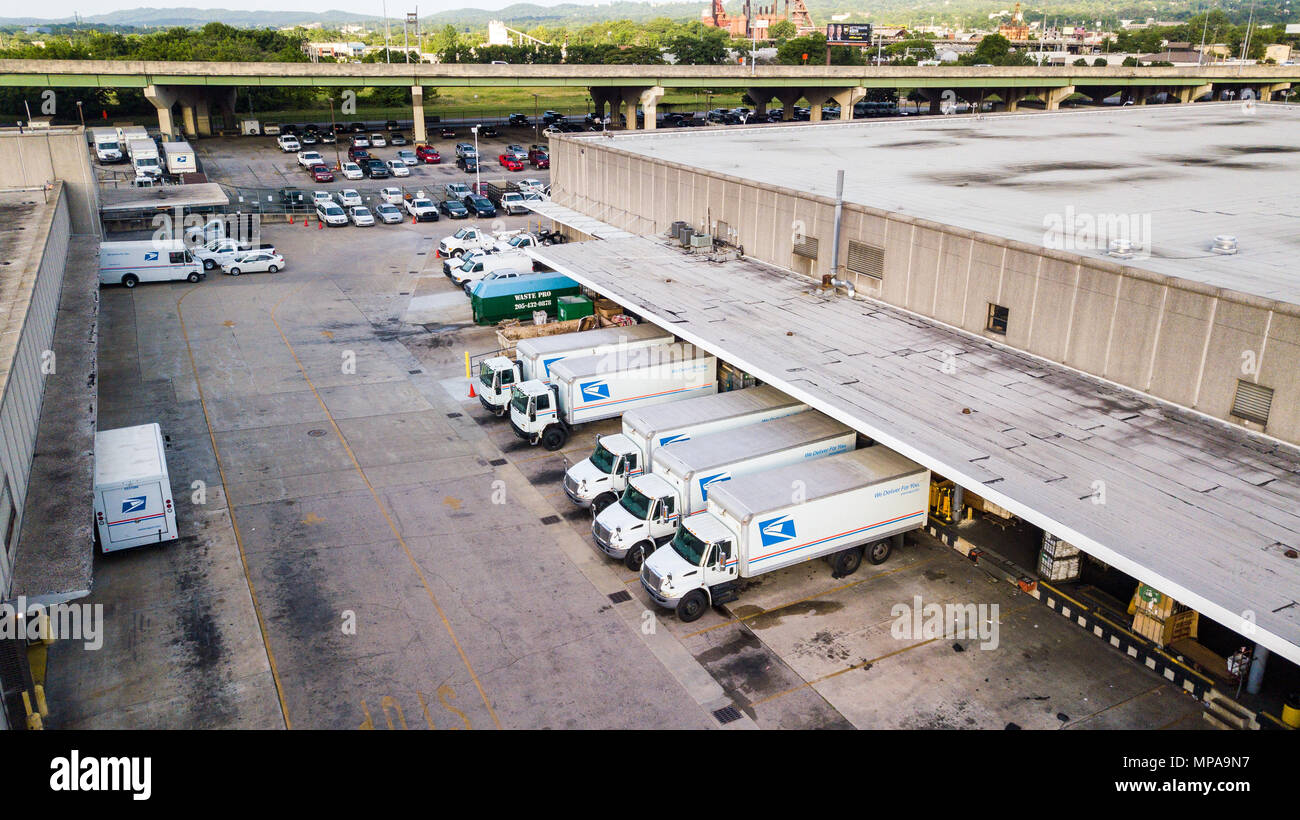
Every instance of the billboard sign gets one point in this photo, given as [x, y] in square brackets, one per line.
[848, 34]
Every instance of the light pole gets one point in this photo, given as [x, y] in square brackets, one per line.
[338, 160]
[81, 116]
[477, 160]
[537, 124]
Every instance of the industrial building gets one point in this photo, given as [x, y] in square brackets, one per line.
[1073, 321]
[49, 297]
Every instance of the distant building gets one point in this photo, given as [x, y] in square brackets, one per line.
[746, 23]
[337, 51]
[1016, 29]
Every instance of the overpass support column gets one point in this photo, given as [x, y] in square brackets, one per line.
[650, 104]
[845, 99]
[601, 97]
[1192, 93]
[630, 97]
[163, 98]
[189, 125]
[788, 97]
[203, 115]
[760, 98]
[1012, 98]
[815, 109]
[1053, 97]
[417, 114]
[1267, 91]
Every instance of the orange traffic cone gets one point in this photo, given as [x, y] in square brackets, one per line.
[472, 394]
[320, 226]
[290, 219]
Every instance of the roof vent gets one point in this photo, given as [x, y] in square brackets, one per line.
[1120, 249]
[1224, 244]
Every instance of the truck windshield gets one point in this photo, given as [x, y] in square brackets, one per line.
[144, 161]
[603, 459]
[636, 503]
[689, 547]
[108, 146]
[519, 400]
[462, 233]
[485, 374]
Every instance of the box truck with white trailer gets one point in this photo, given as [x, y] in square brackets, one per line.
[591, 388]
[133, 493]
[534, 357]
[107, 144]
[839, 507]
[144, 158]
[130, 263]
[598, 480]
[683, 475]
[179, 157]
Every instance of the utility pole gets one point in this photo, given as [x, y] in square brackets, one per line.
[388, 53]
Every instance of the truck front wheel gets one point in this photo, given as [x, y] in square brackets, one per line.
[194, 277]
[601, 502]
[879, 551]
[692, 606]
[209, 264]
[554, 437]
[846, 562]
[636, 556]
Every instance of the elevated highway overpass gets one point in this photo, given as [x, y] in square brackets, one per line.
[192, 89]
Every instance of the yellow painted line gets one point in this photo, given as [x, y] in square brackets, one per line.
[1129, 699]
[830, 591]
[383, 509]
[1060, 594]
[234, 523]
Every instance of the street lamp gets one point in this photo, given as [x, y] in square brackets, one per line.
[537, 124]
[477, 161]
[81, 116]
[338, 160]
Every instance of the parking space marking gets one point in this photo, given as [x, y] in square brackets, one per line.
[230, 509]
[383, 509]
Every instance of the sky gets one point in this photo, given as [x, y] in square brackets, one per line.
[58, 9]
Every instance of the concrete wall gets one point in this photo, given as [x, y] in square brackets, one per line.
[34, 158]
[1175, 339]
[20, 406]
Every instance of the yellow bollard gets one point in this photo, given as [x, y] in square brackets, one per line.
[42, 708]
[467, 374]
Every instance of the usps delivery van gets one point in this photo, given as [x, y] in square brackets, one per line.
[130, 263]
[133, 494]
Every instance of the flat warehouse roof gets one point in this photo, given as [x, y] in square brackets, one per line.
[1199, 509]
[1175, 175]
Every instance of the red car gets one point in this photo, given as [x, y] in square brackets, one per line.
[321, 173]
[510, 163]
[358, 155]
[428, 154]
[539, 160]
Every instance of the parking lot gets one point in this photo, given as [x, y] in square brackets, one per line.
[364, 546]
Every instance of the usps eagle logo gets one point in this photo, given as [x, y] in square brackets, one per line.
[595, 391]
[776, 530]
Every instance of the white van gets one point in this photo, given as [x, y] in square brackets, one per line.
[475, 268]
[144, 158]
[130, 263]
[107, 146]
[133, 493]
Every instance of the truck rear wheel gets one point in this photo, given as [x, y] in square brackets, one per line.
[130, 280]
[879, 551]
[636, 556]
[692, 606]
[554, 437]
[846, 562]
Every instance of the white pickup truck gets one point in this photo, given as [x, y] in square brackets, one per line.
[422, 209]
[307, 159]
[219, 252]
[471, 238]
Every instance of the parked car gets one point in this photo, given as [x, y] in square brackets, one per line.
[376, 169]
[309, 158]
[377, 140]
[397, 138]
[361, 141]
[254, 262]
[456, 190]
[331, 214]
[468, 164]
[288, 143]
[466, 149]
[428, 154]
[510, 162]
[390, 125]
[512, 202]
[352, 171]
[408, 157]
[480, 206]
[488, 131]
[517, 151]
[322, 173]
[392, 195]
[361, 216]
[358, 127]
[519, 119]
[308, 139]
[530, 185]
[388, 213]
[397, 168]
[454, 209]
[349, 198]
[358, 155]
[539, 157]
[327, 137]
[317, 197]
[448, 133]
[422, 208]
[270, 129]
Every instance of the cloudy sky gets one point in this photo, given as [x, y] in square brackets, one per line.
[57, 9]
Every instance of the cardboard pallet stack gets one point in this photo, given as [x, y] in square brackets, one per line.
[1058, 560]
[1159, 618]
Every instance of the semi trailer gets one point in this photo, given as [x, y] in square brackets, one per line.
[598, 480]
[840, 507]
[534, 357]
[600, 387]
[683, 475]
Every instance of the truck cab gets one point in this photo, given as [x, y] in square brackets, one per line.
[695, 570]
[534, 413]
[598, 480]
[645, 517]
[497, 378]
